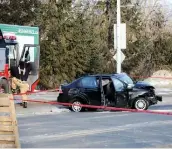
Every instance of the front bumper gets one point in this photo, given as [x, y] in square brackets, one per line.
[155, 99]
[159, 98]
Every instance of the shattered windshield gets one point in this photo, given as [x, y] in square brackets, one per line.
[125, 78]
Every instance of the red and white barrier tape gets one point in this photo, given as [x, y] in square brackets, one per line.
[57, 89]
[156, 77]
[40, 91]
[99, 107]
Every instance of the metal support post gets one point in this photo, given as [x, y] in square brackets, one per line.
[118, 37]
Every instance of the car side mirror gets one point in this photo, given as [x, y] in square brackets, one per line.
[130, 86]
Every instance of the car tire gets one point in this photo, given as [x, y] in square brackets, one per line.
[75, 106]
[141, 104]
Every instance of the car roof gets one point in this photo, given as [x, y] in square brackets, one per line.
[97, 75]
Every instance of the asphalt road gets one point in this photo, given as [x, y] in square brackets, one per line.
[95, 130]
[47, 126]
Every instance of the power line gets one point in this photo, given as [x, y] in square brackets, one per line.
[157, 6]
[153, 6]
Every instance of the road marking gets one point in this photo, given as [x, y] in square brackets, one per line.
[81, 133]
[163, 92]
[159, 110]
[98, 117]
[50, 122]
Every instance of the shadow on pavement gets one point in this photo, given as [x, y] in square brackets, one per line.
[161, 107]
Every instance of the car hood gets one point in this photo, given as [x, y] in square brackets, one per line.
[142, 85]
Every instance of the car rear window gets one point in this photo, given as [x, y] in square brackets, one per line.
[88, 82]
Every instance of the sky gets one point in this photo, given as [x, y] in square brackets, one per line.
[167, 5]
[167, 1]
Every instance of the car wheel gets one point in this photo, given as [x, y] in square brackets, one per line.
[141, 104]
[76, 106]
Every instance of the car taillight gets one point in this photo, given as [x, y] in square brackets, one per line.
[60, 91]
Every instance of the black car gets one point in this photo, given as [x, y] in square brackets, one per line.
[117, 90]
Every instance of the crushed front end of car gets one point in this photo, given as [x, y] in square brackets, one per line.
[159, 98]
[152, 97]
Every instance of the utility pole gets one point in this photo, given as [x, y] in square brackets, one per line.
[118, 37]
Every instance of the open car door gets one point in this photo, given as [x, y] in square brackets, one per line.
[103, 99]
[29, 64]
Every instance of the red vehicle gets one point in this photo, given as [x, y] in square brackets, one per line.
[11, 56]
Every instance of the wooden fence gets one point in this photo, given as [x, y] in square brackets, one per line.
[9, 135]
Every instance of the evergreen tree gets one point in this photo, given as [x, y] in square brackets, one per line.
[55, 56]
[19, 12]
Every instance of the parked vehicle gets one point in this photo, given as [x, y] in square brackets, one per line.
[19, 46]
[117, 90]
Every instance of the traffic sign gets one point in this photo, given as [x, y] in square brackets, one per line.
[122, 56]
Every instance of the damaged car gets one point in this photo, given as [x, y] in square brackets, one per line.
[115, 90]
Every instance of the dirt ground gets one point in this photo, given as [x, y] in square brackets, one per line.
[161, 78]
